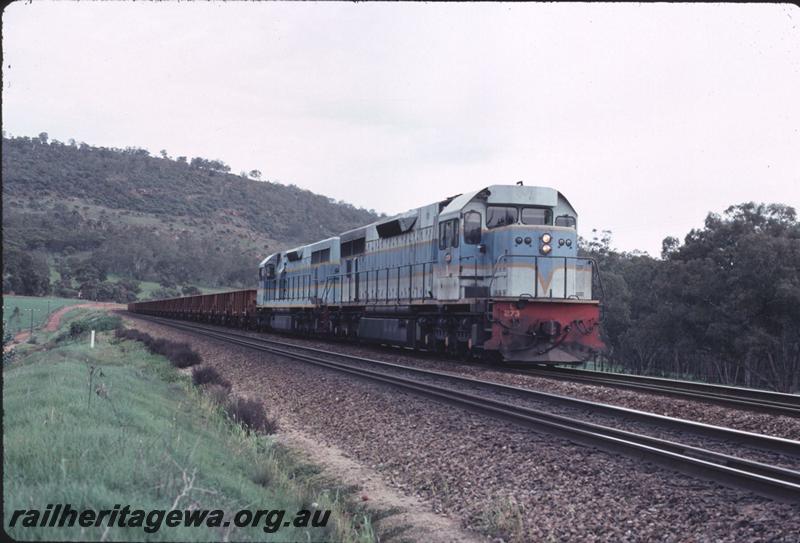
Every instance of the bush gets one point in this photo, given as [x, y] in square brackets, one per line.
[98, 323]
[251, 415]
[132, 334]
[157, 345]
[208, 376]
[102, 323]
[78, 328]
[180, 355]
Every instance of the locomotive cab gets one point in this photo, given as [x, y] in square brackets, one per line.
[519, 252]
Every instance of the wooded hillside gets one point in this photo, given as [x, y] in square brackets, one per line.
[75, 215]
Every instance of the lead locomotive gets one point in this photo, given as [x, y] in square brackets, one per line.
[494, 272]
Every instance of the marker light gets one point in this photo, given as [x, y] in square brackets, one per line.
[546, 238]
[569, 243]
[518, 240]
[560, 242]
[546, 248]
[528, 240]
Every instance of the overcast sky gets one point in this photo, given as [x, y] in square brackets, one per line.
[646, 117]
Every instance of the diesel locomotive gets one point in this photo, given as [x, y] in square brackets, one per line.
[493, 273]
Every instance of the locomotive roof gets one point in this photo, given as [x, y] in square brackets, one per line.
[493, 194]
[506, 194]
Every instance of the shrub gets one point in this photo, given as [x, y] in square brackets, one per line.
[78, 328]
[180, 355]
[102, 323]
[156, 345]
[208, 376]
[130, 333]
[98, 323]
[251, 415]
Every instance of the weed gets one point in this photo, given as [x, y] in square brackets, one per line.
[180, 355]
[208, 376]
[251, 415]
[505, 517]
[218, 394]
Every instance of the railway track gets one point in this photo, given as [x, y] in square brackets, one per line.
[765, 479]
[775, 403]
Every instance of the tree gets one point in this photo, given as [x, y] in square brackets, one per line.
[190, 290]
[669, 246]
[43, 137]
[255, 174]
[25, 273]
[739, 282]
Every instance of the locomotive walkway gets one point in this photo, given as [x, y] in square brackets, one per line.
[766, 479]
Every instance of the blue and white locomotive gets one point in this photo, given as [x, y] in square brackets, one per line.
[490, 272]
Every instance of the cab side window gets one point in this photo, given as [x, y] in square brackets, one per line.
[472, 228]
[448, 234]
[445, 231]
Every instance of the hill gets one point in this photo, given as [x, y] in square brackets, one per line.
[100, 220]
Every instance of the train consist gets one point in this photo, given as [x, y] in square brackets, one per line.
[493, 273]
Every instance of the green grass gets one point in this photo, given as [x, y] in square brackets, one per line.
[22, 320]
[139, 441]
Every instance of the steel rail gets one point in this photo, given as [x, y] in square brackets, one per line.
[772, 481]
[777, 403]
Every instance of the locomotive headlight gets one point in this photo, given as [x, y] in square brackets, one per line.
[546, 248]
[546, 238]
[518, 240]
[560, 242]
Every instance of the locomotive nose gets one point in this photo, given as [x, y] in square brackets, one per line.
[550, 328]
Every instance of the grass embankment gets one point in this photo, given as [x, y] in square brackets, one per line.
[17, 317]
[118, 425]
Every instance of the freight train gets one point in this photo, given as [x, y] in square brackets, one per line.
[493, 273]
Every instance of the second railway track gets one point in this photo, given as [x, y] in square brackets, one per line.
[763, 478]
[776, 403]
